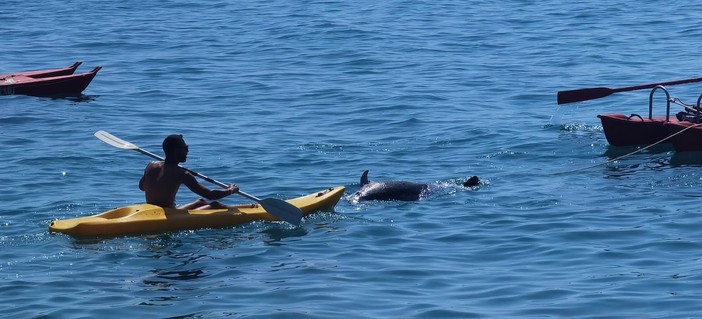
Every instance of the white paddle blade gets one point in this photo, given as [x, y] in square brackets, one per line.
[115, 141]
[282, 210]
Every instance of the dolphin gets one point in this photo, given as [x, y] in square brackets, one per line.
[397, 190]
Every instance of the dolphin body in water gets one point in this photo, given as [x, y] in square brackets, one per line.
[397, 190]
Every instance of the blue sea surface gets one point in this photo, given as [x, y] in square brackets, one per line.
[285, 98]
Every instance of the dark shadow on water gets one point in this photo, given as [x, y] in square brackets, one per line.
[189, 316]
[686, 159]
[276, 235]
[620, 165]
[622, 171]
[613, 152]
[82, 98]
[676, 159]
[164, 279]
[179, 275]
[77, 98]
[97, 242]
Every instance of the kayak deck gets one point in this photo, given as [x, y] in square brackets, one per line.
[147, 218]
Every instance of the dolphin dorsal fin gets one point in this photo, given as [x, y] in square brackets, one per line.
[364, 178]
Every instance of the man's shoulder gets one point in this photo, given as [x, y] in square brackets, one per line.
[174, 169]
[154, 164]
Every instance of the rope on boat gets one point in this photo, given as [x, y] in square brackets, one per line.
[628, 154]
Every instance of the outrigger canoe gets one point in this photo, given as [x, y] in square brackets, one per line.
[146, 218]
[684, 131]
[52, 82]
[623, 130]
[685, 136]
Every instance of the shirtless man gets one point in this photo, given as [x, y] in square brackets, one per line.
[161, 180]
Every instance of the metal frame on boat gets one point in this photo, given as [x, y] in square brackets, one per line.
[622, 130]
[686, 136]
[684, 131]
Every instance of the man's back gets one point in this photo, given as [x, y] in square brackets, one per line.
[161, 182]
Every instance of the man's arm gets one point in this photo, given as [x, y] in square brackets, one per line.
[213, 194]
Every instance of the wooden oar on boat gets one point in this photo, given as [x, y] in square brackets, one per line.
[572, 96]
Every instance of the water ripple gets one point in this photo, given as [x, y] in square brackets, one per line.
[286, 98]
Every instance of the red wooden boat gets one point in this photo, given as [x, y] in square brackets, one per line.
[685, 136]
[52, 82]
[622, 130]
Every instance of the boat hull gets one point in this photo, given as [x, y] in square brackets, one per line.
[54, 82]
[46, 73]
[622, 130]
[685, 136]
[146, 218]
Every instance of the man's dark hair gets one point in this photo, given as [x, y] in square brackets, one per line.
[172, 142]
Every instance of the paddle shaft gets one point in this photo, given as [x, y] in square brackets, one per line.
[652, 85]
[571, 96]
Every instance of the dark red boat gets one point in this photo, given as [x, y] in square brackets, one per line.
[683, 131]
[685, 136]
[623, 130]
[52, 82]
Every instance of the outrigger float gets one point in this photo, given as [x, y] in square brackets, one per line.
[49, 83]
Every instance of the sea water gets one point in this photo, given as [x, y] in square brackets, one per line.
[285, 98]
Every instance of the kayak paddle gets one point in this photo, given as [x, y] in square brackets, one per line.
[571, 96]
[276, 207]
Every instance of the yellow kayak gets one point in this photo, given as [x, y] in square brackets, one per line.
[147, 218]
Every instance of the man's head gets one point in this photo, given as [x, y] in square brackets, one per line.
[175, 148]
